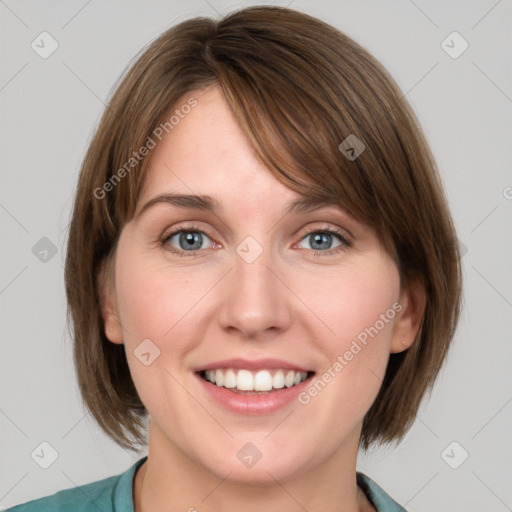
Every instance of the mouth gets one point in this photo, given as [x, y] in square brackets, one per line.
[253, 387]
[251, 382]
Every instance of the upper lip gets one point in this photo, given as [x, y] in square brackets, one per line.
[254, 365]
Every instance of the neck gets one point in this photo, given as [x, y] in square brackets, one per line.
[170, 481]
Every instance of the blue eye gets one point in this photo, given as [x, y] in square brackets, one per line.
[322, 240]
[187, 240]
[190, 240]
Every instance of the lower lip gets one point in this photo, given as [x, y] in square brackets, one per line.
[253, 404]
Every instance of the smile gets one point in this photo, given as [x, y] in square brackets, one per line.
[243, 380]
[253, 386]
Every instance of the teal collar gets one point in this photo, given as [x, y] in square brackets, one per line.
[377, 496]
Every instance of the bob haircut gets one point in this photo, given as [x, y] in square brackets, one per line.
[298, 88]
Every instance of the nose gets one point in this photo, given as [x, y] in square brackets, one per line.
[255, 298]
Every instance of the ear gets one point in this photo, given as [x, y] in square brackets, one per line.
[108, 303]
[413, 300]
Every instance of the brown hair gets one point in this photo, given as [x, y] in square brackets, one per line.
[298, 87]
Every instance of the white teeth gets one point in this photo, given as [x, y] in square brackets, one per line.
[244, 380]
[230, 379]
[263, 380]
[289, 379]
[278, 380]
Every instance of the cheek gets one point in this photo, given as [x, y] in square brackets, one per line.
[164, 305]
[154, 300]
[356, 302]
[359, 306]
[156, 303]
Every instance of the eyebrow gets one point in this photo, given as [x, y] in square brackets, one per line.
[210, 204]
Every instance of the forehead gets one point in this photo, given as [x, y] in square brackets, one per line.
[205, 148]
[207, 154]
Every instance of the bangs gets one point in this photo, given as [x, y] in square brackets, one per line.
[297, 111]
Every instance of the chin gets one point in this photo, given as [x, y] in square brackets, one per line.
[252, 460]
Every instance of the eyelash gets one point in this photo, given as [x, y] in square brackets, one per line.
[344, 245]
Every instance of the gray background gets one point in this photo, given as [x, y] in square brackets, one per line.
[49, 108]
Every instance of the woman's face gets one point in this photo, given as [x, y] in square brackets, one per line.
[249, 292]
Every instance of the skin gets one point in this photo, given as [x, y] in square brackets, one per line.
[288, 304]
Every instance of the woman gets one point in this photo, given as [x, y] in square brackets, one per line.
[261, 259]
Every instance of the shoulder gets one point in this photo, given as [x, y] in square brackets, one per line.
[93, 496]
[380, 499]
[113, 494]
